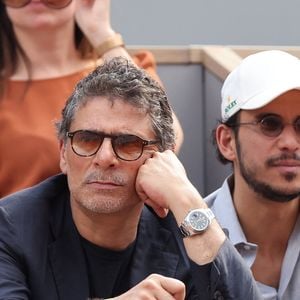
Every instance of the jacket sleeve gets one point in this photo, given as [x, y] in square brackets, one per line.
[12, 272]
[231, 278]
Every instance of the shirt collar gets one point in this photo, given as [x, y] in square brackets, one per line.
[224, 210]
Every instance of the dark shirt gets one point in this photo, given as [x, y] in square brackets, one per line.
[108, 270]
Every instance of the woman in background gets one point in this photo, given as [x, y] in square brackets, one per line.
[46, 46]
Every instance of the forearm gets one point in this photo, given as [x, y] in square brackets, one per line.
[93, 18]
[204, 247]
[162, 183]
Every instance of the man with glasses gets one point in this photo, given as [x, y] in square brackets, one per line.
[122, 220]
[259, 134]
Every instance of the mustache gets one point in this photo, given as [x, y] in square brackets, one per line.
[282, 157]
[97, 176]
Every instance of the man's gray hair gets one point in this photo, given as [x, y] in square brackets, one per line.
[116, 79]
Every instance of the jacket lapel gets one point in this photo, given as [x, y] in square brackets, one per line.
[153, 250]
[66, 255]
[69, 268]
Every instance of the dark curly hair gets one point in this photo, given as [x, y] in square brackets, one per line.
[116, 79]
[230, 123]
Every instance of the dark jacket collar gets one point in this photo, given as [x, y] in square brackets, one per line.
[152, 253]
[66, 255]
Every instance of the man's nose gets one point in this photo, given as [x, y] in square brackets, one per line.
[106, 154]
[289, 139]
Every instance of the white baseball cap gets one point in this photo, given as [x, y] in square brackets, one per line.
[258, 80]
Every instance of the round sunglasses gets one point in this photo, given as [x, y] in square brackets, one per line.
[56, 4]
[271, 125]
[126, 147]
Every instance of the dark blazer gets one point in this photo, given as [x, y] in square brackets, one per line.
[41, 255]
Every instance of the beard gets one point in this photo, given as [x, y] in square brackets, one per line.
[266, 190]
[105, 201]
[104, 205]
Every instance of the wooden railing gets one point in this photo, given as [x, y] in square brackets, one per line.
[220, 60]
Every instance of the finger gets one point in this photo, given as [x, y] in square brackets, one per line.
[174, 286]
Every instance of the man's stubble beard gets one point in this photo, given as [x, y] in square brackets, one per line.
[104, 201]
[265, 189]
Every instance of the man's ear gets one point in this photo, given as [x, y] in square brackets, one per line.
[226, 141]
[62, 162]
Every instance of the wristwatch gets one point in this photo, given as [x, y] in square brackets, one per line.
[196, 221]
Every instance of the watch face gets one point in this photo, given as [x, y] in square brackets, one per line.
[198, 220]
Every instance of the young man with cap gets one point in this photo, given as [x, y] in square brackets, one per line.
[260, 135]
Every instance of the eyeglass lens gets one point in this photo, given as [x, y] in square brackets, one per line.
[273, 125]
[126, 147]
[57, 4]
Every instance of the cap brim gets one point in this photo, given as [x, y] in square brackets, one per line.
[268, 96]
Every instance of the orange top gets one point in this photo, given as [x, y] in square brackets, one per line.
[29, 149]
